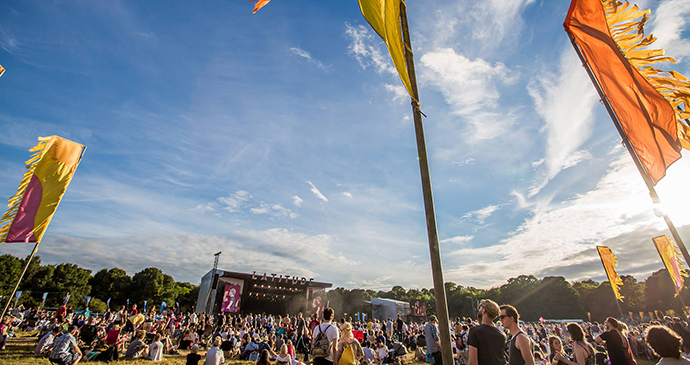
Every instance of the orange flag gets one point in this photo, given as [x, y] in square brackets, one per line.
[609, 260]
[259, 4]
[647, 118]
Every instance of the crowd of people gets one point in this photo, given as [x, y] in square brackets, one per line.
[495, 337]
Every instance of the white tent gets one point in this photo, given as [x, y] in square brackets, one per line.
[382, 308]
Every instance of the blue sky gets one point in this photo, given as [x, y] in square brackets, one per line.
[284, 139]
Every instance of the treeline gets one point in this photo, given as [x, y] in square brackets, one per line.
[551, 297]
[150, 284]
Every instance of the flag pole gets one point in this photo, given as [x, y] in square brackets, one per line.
[434, 250]
[26, 266]
[633, 154]
[611, 284]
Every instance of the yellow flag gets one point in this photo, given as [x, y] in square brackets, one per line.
[384, 17]
[610, 262]
[50, 171]
[2, 70]
[670, 255]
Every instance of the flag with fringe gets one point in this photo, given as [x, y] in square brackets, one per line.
[670, 255]
[651, 104]
[50, 171]
[2, 70]
[384, 17]
[609, 260]
[259, 4]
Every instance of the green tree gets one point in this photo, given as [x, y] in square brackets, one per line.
[112, 284]
[153, 285]
[10, 269]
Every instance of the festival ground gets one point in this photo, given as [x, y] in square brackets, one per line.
[19, 351]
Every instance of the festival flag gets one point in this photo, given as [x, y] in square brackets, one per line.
[107, 303]
[651, 316]
[631, 315]
[641, 316]
[145, 305]
[45, 296]
[163, 305]
[384, 17]
[609, 260]
[16, 297]
[672, 312]
[50, 171]
[610, 34]
[259, 4]
[87, 299]
[670, 255]
[2, 70]
[66, 299]
[656, 312]
[127, 303]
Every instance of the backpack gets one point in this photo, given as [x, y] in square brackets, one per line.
[321, 346]
[461, 342]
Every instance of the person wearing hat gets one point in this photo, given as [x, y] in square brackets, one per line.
[487, 343]
[65, 349]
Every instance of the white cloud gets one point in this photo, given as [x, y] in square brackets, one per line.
[347, 194]
[565, 102]
[553, 234]
[365, 47]
[208, 207]
[235, 201]
[458, 240]
[670, 20]
[297, 201]
[470, 87]
[316, 192]
[304, 54]
[399, 92]
[481, 214]
[275, 210]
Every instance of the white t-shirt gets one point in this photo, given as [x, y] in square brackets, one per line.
[331, 333]
[382, 352]
[214, 356]
[156, 351]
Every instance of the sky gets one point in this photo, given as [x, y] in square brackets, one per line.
[285, 140]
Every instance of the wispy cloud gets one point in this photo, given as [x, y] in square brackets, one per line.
[235, 201]
[304, 54]
[316, 192]
[670, 21]
[471, 89]
[458, 240]
[297, 201]
[565, 101]
[275, 210]
[480, 215]
[366, 50]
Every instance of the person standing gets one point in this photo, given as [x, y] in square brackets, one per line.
[616, 343]
[520, 350]
[487, 343]
[433, 341]
[399, 324]
[325, 337]
[583, 352]
[667, 344]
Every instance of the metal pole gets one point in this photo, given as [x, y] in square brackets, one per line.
[214, 284]
[434, 250]
[633, 154]
[26, 266]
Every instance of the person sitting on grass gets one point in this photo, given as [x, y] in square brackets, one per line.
[214, 356]
[137, 348]
[46, 342]
[65, 349]
[193, 357]
[156, 348]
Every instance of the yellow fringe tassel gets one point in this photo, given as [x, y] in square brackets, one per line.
[626, 24]
[16, 200]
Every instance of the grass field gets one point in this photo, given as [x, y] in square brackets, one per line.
[20, 351]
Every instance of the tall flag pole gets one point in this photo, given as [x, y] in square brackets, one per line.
[671, 259]
[50, 170]
[389, 19]
[649, 107]
[609, 260]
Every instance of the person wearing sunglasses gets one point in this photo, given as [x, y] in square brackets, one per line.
[487, 343]
[520, 351]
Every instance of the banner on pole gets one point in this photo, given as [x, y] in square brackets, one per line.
[610, 36]
[670, 255]
[609, 260]
[51, 169]
[107, 303]
[87, 299]
[43, 301]
[66, 300]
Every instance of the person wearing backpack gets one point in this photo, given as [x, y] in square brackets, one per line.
[325, 336]
[349, 351]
